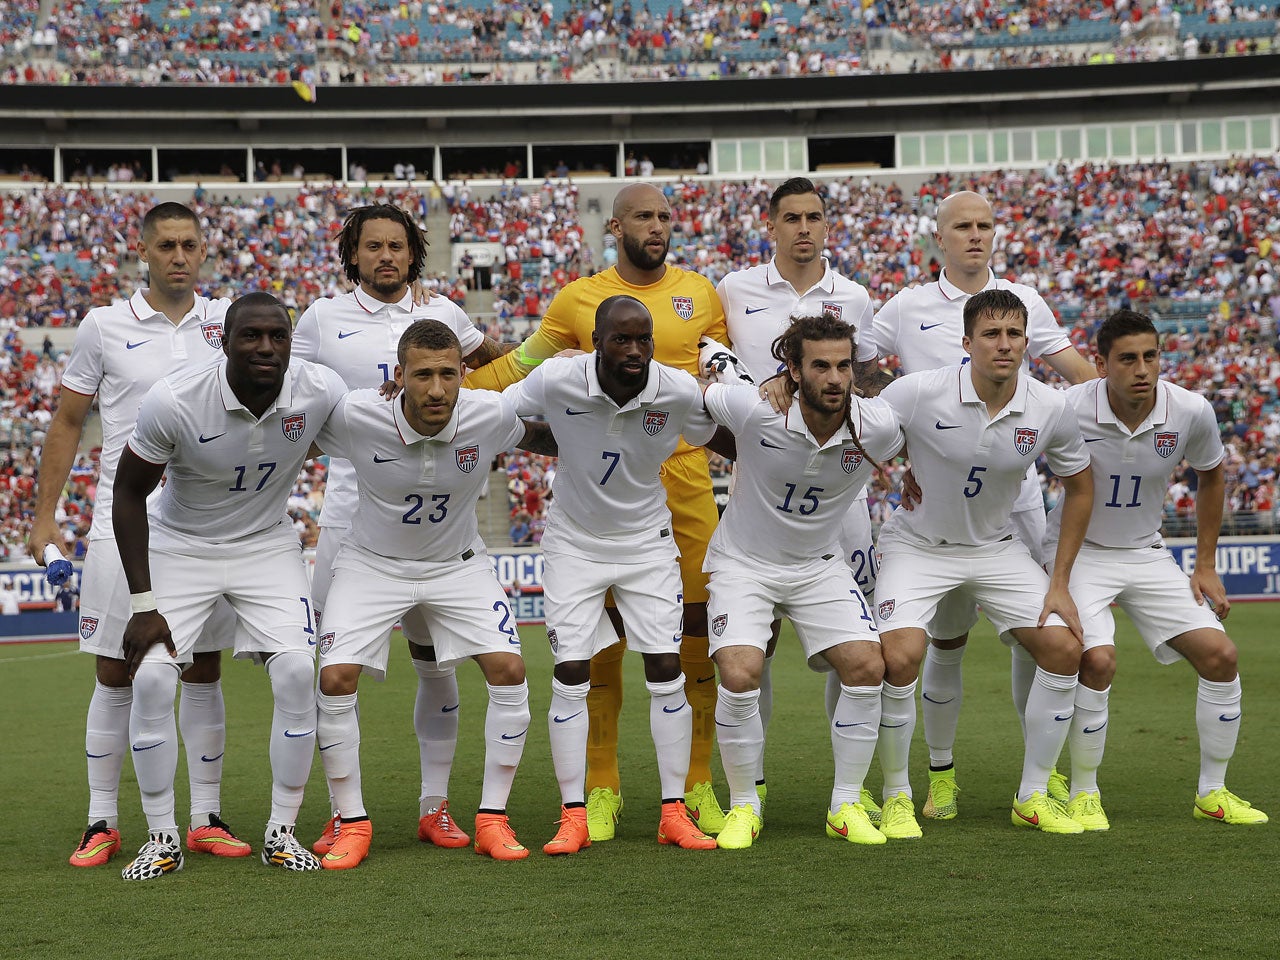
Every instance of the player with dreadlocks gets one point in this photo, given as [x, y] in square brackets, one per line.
[777, 548]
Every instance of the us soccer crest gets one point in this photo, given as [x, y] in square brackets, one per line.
[87, 626]
[467, 457]
[885, 610]
[326, 644]
[294, 426]
[719, 623]
[1166, 443]
[212, 334]
[1024, 439]
[832, 310]
[553, 640]
[654, 421]
[850, 460]
[683, 307]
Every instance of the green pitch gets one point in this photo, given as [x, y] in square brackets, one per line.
[1160, 884]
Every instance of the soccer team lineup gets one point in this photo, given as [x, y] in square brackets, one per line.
[211, 407]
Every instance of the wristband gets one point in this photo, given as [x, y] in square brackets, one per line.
[142, 602]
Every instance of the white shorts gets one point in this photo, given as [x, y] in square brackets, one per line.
[648, 595]
[1029, 517]
[858, 545]
[1002, 577]
[105, 611]
[413, 624]
[822, 601]
[265, 584]
[461, 601]
[1151, 588]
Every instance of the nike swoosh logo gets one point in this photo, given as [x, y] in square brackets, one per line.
[892, 726]
[575, 413]
[1225, 719]
[138, 749]
[925, 696]
[204, 439]
[294, 736]
[96, 756]
[331, 857]
[1095, 729]
[378, 459]
[843, 831]
[1218, 814]
[750, 310]
[1067, 717]
[930, 326]
[771, 446]
[598, 686]
[515, 736]
[939, 425]
[1033, 820]
[860, 723]
[705, 679]
[212, 759]
[328, 745]
[342, 335]
[93, 851]
[134, 346]
[719, 724]
[676, 710]
[1093, 439]
[558, 719]
[450, 709]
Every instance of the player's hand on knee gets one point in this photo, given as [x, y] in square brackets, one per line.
[1207, 588]
[143, 632]
[1059, 601]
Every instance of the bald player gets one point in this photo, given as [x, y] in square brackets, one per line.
[684, 308]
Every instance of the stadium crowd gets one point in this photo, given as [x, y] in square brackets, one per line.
[1191, 245]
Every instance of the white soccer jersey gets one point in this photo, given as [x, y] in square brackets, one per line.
[1131, 470]
[229, 473]
[119, 352]
[759, 304]
[970, 466]
[357, 336]
[924, 326]
[418, 494]
[608, 503]
[791, 492]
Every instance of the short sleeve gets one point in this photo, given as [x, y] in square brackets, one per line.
[470, 337]
[730, 405]
[334, 437]
[528, 396]
[882, 331]
[83, 372]
[155, 432]
[1204, 449]
[306, 336]
[1066, 452]
[866, 345]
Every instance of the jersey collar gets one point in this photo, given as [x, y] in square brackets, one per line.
[952, 292]
[448, 433]
[284, 399]
[369, 305]
[969, 393]
[647, 395]
[827, 283]
[798, 426]
[1158, 415]
[144, 312]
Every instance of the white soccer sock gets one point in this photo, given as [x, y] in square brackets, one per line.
[854, 731]
[740, 733]
[941, 693]
[671, 725]
[567, 726]
[338, 737]
[831, 693]
[153, 734]
[202, 719]
[435, 721]
[897, 724]
[1088, 738]
[1050, 706]
[505, 726]
[1218, 722]
[106, 744]
[293, 731]
[1022, 672]
[766, 709]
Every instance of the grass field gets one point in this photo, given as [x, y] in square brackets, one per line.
[1159, 884]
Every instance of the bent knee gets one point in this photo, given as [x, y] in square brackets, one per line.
[1098, 667]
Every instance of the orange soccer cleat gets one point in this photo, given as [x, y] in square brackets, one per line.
[675, 827]
[572, 835]
[216, 838]
[495, 838]
[351, 846]
[439, 828]
[98, 845]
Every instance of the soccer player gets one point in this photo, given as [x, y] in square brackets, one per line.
[414, 544]
[617, 415]
[383, 252]
[924, 327]
[777, 550]
[164, 329]
[1137, 429]
[685, 309]
[971, 431]
[759, 304]
[229, 441]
